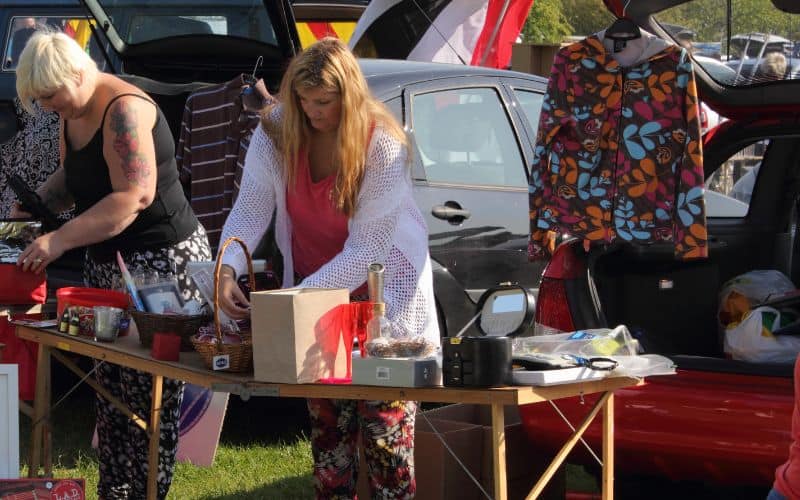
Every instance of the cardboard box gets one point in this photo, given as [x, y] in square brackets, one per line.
[524, 464]
[297, 335]
[533, 58]
[438, 474]
[396, 372]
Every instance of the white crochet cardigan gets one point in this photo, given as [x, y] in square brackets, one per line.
[387, 227]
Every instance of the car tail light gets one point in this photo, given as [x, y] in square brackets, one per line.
[553, 314]
[552, 308]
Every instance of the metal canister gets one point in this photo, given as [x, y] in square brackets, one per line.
[375, 282]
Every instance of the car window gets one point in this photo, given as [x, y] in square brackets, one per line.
[464, 136]
[531, 103]
[730, 188]
[155, 20]
[22, 27]
[756, 44]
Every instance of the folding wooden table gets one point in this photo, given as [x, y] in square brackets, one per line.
[127, 351]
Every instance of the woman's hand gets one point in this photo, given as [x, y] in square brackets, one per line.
[44, 250]
[231, 299]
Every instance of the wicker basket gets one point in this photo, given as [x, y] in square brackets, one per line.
[240, 356]
[183, 325]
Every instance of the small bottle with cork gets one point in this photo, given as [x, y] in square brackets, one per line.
[74, 323]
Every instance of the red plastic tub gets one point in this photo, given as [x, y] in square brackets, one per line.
[88, 297]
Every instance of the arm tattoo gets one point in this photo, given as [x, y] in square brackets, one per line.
[126, 143]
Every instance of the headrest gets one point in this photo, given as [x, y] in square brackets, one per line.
[461, 127]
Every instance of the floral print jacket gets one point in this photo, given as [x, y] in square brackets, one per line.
[618, 153]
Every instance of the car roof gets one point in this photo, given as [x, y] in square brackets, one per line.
[384, 75]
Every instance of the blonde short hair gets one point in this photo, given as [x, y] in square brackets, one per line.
[48, 61]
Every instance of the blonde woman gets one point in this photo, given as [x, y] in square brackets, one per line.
[118, 171]
[332, 164]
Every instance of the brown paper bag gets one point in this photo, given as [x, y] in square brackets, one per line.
[297, 335]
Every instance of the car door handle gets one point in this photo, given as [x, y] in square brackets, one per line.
[451, 212]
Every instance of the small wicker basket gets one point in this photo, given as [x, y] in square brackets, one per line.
[183, 325]
[240, 356]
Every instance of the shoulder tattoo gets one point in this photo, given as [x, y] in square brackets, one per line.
[123, 123]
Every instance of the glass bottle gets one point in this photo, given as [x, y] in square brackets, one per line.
[63, 324]
[74, 324]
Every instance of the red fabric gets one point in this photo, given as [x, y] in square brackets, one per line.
[787, 476]
[318, 229]
[497, 53]
[615, 6]
[20, 287]
[322, 29]
[20, 352]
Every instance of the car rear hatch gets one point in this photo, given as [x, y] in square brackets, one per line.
[177, 41]
[739, 30]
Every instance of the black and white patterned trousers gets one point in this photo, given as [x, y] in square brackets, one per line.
[122, 445]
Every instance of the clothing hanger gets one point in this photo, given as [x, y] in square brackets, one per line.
[251, 79]
[623, 28]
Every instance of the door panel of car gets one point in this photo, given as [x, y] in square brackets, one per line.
[471, 181]
[762, 175]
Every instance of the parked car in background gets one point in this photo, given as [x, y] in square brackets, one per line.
[719, 427]
[749, 51]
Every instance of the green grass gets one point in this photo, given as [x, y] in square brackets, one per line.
[264, 451]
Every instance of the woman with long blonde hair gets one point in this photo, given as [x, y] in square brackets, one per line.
[331, 163]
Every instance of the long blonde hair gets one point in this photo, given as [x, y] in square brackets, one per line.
[329, 64]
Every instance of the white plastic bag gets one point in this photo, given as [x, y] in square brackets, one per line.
[740, 294]
[752, 339]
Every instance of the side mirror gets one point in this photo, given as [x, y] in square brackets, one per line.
[505, 310]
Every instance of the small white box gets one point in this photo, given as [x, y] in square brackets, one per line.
[396, 372]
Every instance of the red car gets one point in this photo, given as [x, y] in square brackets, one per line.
[719, 427]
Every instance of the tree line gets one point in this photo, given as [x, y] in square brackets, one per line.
[552, 21]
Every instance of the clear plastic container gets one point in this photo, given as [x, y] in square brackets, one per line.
[585, 343]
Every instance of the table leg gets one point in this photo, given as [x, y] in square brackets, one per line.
[499, 445]
[608, 448]
[155, 435]
[571, 442]
[41, 410]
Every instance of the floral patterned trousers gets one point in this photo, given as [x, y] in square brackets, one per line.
[387, 435]
[122, 446]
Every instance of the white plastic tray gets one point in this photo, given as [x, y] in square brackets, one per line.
[558, 376]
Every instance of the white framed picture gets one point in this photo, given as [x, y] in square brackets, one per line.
[9, 422]
[161, 298]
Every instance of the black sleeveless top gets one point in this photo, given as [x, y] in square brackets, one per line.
[168, 220]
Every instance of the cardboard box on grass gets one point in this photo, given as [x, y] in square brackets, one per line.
[296, 335]
[524, 464]
[438, 474]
